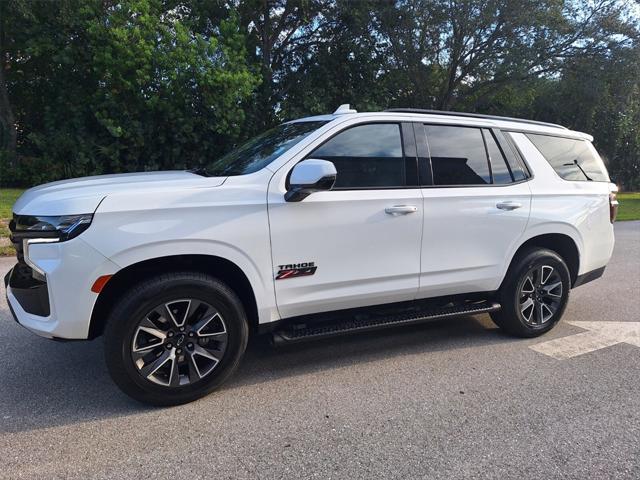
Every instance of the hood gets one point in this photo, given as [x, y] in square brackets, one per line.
[83, 195]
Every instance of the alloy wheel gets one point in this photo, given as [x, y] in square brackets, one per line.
[540, 295]
[179, 343]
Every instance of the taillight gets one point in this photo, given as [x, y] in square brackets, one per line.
[613, 206]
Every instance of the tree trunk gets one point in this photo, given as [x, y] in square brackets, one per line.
[7, 119]
[266, 47]
[6, 112]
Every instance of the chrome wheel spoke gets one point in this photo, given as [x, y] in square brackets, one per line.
[527, 309]
[194, 373]
[210, 326]
[174, 379]
[199, 310]
[539, 316]
[527, 286]
[203, 352]
[545, 273]
[159, 334]
[553, 289]
[149, 370]
[147, 337]
[203, 360]
[178, 311]
[545, 312]
[142, 351]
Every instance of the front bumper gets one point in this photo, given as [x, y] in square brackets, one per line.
[60, 306]
[31, 293]
[6, 288]
[29, 299]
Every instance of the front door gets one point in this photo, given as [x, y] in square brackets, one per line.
[358, 244]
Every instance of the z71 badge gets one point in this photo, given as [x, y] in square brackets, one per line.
[296, 270]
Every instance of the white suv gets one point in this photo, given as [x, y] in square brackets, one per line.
[321, 226]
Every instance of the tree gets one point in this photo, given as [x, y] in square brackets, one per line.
[9, 139]
[163, 89]
[460, 50]
[122, 86]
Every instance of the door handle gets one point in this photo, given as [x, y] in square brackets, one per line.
[508, 205]
[401, 209]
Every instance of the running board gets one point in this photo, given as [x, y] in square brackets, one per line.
[302, 332]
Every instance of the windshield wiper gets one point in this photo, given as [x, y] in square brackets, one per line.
[577, 164]
[199, 171]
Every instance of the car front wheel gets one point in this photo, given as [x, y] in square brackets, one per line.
[175, 338]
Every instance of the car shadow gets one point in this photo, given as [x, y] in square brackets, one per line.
[46, 384]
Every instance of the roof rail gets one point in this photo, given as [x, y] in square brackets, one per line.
[473, 115]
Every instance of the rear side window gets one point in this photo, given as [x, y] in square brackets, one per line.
[572, 159]
[513, 157]
[500, 170]
[458, 156]
[366, 156]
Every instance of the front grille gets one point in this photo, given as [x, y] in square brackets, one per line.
[16, 240]
[30, 290]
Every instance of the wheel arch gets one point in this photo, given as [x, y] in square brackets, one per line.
[222, 268]
[561, 243]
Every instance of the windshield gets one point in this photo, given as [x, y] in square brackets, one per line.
[260, 151]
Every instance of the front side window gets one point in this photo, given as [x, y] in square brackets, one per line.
[366, 156]
[260, 151]
[458, 156]
[572, 159]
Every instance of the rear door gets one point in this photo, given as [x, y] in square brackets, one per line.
[358, 244]
[476, 208]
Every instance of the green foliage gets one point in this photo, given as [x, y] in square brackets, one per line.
[163, 89]
[122, 87]
[110, 86]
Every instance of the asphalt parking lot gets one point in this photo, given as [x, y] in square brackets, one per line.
[450, 399]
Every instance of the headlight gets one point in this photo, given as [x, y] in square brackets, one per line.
[64, 227]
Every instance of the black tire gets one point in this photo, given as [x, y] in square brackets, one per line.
[124, 325]
[518, 316]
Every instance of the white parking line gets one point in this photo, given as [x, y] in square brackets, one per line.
[598, 335]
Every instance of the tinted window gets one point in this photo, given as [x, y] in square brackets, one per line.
[366, 156]
[500, 171]
[260, 151]
[458, 156]
[571, 159]
[513, 158]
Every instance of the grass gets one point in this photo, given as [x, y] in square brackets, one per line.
[8, 196]
[629, 206]
[629, 210]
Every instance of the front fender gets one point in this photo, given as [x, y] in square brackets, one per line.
[227, 222]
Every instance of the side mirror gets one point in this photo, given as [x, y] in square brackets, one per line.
[310, 176]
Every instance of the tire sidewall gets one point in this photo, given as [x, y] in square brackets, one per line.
[510, 292]
[123, 322]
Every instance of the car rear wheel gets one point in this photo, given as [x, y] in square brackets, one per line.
[534, 293]
[175, 338]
